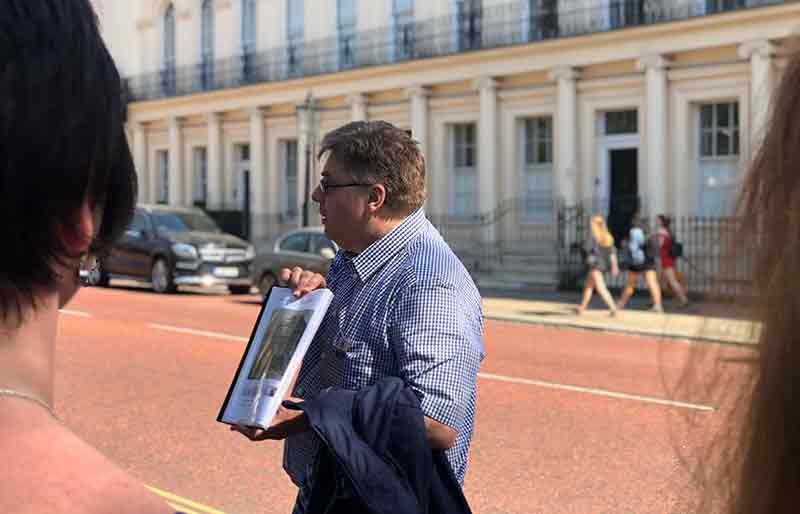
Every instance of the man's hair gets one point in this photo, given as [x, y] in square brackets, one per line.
[62, 139]
[377, 152]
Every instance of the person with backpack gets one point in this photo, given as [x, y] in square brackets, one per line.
[669, 250]
[642, 258]
[600, 258]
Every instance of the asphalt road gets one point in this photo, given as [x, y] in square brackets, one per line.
[568, 422]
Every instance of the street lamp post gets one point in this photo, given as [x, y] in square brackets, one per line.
[306, 109]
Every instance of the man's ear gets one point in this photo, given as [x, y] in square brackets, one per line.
[77, 231]
[377, 197]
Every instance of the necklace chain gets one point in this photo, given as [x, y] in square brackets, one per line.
[26, 396]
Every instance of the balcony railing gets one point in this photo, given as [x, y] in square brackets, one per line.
[469, 30]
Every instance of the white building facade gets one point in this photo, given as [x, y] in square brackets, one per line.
[521, 106]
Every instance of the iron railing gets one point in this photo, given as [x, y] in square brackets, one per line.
[467, 30]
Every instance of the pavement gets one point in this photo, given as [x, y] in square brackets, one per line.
[701, 321]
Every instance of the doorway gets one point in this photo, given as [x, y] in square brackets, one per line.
[623, 200]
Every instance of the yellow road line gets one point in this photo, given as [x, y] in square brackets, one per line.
[184, 503]
[181, 509]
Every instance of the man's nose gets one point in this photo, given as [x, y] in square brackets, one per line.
[316, 195]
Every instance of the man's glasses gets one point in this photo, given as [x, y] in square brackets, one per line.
[324, 186]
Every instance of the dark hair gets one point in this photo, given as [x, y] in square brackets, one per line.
[666, 222]
[61, 138]
[377, 152]
[760, 473]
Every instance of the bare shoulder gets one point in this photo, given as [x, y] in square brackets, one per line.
[60, 473]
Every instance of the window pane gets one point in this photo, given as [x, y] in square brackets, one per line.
[346, 13]
[621, 122]
[723, 115]
[295, 243]
[735, 142]
[296, 19]
[706, 117]
[723, 142]
[735, 107]
[707, 144]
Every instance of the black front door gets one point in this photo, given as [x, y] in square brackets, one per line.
[624, 194]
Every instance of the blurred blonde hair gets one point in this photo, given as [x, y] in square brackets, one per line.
[600, 231]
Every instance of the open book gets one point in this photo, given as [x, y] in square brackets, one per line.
[280, 338]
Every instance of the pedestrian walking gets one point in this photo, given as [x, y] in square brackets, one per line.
[600, 258]
[666, 246]
[404, 306]
[643, 262]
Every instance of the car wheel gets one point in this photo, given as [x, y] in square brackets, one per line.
[266, 281]
[161, 277]
[98, 276]
[239, 289]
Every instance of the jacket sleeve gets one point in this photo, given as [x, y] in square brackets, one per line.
[439, 348]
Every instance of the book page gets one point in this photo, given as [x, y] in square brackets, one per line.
[280, 339]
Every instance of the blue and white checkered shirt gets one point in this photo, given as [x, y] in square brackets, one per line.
[404, 307]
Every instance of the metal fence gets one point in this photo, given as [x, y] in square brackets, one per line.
[712, 264]
[466, 30]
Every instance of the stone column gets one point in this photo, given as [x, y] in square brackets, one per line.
[656, 92]
[140, 162]
[566, 133]
[762, 79]
[214, 162]
[176, 182]
[487, 151]
[259, 219]
[418, 97]
[358, 106]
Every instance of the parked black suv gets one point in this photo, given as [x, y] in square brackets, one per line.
[174, 246]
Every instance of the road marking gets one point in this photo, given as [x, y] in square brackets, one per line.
[203, 333]
[183, 504]
[75, 313]
[488, 376]
[596, 392]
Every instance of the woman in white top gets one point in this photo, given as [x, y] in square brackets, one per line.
[643, 262]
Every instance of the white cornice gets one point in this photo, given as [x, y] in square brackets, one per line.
[760, 47]
[563, 73]
[652, 62]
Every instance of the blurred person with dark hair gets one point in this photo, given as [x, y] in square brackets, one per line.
[67, 189]
[404, 306]
[665, 241]
[761, 470]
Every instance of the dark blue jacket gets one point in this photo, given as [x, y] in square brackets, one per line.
[376, 437]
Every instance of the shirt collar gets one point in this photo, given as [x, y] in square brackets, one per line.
[378, 253]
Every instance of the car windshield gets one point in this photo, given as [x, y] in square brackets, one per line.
[184, 222]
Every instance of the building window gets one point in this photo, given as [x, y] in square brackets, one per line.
[162, 156]
[248, 39]
[240, 175]
[625, 13]
[718, 156]
[537, 180]
[346, 25]
[200, 186]
[542, 19]
[207, 44]
[295, 23]
[469, 19]
[463, 198]
[289, 166]
[714, 6]
[403, 23]
[621, 122]
[168, 51]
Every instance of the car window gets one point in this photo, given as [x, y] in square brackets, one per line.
[139, 222]
[184, 221]
[295, 243]
[321, 245]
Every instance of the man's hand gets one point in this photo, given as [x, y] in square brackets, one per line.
[300, 281]
[286, 423]
[439, 435]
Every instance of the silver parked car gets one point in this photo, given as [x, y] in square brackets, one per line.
[307, 247]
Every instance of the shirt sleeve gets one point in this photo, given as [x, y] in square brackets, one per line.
[438, 345]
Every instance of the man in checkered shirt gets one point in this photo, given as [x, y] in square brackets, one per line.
[403, 303]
